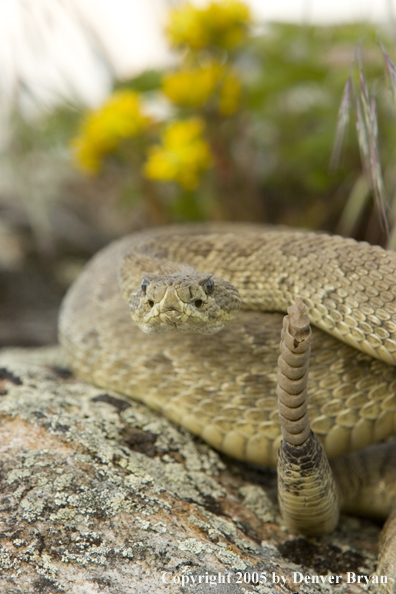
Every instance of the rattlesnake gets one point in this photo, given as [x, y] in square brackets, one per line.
[222, 386]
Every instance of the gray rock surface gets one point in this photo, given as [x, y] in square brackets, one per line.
[98, 494]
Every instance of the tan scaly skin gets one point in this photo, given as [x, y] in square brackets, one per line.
[223, 386]
[309, 490]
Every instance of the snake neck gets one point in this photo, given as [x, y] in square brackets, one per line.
[348, 287]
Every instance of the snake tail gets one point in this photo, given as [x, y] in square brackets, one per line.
[307, 492]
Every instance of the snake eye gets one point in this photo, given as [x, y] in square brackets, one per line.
[209, 286]
[144, 286]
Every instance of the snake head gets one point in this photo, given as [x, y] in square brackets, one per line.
[190, 302]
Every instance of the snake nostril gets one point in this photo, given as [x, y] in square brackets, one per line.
[151, 303]
[198, 303]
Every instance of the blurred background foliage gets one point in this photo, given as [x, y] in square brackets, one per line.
[241, 128]
[271, 143]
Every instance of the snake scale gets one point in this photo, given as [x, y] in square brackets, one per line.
[222, 386]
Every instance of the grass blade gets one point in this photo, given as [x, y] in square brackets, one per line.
[342, 124]
[390, 72]
[375, 167]
[363, 139]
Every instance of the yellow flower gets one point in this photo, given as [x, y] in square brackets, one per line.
[222, 23]
[103, 130]
[193, 87]
[183, 155]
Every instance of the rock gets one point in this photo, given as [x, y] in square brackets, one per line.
[101, 495]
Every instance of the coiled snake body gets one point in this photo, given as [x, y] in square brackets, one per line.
[223, 386]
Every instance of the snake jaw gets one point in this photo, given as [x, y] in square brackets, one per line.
[184, 303]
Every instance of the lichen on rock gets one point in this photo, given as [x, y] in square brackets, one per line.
[101, 495]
